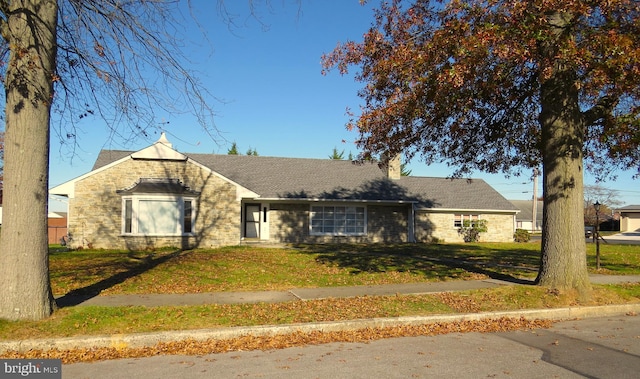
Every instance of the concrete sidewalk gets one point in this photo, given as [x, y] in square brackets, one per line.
[154, 300]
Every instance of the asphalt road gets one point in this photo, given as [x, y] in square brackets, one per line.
[591, 348]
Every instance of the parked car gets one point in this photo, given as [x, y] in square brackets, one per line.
[588, 231]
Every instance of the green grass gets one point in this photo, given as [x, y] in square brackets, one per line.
[615, 259]
[240, 269]
[254, 269]
[88, 272]
[92, 320]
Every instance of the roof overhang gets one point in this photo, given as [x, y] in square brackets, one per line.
[459, 210]
[158, 186]
[319, 200]
[628, 209]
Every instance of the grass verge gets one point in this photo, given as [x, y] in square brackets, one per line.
[92, 320]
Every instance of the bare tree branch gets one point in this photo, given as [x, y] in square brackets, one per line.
[126, 63]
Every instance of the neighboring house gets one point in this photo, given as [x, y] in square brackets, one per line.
[524, 219]
[629, 218]
[160, 197]
[57, 226]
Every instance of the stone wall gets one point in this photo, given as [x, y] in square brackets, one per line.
[95, 212]
[388, 224]
[500, 228]
[432, 226]
[289, 223]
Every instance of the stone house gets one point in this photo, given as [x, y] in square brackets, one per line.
[158, 197]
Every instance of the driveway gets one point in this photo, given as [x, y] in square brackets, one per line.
[626, 238]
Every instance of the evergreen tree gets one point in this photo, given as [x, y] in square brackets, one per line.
[339, 155]
[233, 150]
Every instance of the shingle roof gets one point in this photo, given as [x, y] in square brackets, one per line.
[629, 208]
[526, 209]
[330, 179]
[158, 185]
[109, 156]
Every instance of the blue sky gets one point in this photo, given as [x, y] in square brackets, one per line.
[273, 96]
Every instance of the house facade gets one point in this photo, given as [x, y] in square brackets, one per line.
[160, 197]
[57, 227]
[629, 218]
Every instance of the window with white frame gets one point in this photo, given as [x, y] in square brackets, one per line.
[459, 220]
[157, 215]
[338, 220]
[158, 207]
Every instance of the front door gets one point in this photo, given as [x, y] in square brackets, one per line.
[252, 221]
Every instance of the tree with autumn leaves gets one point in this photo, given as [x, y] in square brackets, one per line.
[505, 86]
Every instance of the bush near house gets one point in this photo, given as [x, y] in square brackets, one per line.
[471, 230]
[521, 235]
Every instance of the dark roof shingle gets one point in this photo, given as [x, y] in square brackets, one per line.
[330, 179]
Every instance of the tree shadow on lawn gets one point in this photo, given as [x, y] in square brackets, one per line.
[80, 295]
[434, 261]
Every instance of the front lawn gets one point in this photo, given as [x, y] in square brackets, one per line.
[244, 268]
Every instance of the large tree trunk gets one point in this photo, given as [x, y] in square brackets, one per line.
[563, 263]
[30, 31]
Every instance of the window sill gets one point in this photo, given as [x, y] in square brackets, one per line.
[337, 235]
[158, 235]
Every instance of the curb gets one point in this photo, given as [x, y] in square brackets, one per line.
[139, 340]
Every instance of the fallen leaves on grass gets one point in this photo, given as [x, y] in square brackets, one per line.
[282, 341]
[459, 302]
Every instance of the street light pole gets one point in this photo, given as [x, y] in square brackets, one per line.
[596, 206]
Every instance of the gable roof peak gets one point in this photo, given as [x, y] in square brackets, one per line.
[163, 140]
[162, 149]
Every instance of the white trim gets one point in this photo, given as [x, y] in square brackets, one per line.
[462, 210]
[462, 219]
[265, 209]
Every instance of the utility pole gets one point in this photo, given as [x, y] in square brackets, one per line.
[534, 210]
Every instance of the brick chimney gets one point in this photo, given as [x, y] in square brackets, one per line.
[394, 170]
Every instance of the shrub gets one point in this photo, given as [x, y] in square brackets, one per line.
[521, 235]
[470, 231]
